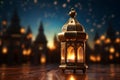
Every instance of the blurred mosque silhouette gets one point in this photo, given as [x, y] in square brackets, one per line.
[17, 47]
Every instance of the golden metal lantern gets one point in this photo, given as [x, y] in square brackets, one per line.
[73, 38]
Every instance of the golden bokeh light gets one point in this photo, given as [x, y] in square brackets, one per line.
[71, 77]
[92, 58]
[107, 40]
[4, 50]
[117, 40]
[112, 50]
[26, 52]
[43, 59]
[98, 42]
[117, 54]
[111, 57]
[22, 30]
[4, 22]
[29, 36]
[98, 58]
[102, 37]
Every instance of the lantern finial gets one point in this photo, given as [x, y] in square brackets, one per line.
[72, 13]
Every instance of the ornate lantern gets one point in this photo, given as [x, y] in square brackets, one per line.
[73, 38]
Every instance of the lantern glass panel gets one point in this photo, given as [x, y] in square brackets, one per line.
[62, 52]
[80, 54]
[70, 54]
[62, 55]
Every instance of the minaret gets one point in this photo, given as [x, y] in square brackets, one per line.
[96, 36]
[56, 52]
[40, 46]
[14, 27]
[97, 48]
[56, 42]
[41, 36]
[29, 33]
[28, 36]
[14, 38]
[110, 33]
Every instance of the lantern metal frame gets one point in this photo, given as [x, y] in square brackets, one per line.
[73, 35]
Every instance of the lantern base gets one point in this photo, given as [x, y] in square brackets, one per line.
[82, 67]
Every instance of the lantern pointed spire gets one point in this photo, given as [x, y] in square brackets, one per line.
[72, 13]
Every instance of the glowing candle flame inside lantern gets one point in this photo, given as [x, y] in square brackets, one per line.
[71, 54]
[71, 57]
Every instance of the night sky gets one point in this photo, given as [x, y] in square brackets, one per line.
[94, 15]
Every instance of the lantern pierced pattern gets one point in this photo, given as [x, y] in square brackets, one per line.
[73, 38]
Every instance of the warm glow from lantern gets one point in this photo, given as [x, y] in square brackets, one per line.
[117, 40]
[112, 50]
[71, 77]
[80, 54]
[102, 37]
[97, 41]
[4, 50]
[107, 41]
[62, 57]
[43, 59]
[70, 54]
[110, 57]
[22, 30]
[117, 55]
[71, 57]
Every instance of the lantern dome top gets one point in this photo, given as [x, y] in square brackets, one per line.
[72, 24]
